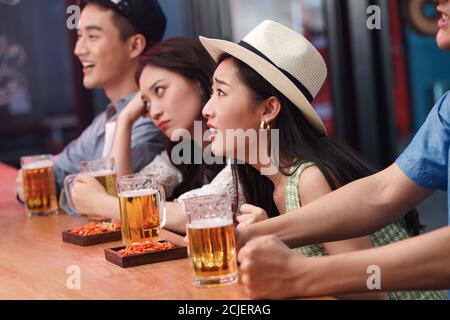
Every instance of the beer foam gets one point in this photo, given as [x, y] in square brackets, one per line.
[211, 223]
[101, 173]
[137, 193]
[38, 165]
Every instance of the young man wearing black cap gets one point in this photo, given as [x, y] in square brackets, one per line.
[111, 37]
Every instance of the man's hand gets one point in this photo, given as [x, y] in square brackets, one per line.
[269, 269]
[19, 186]
[250, 214]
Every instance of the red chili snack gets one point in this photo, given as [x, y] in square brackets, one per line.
[94, 228]
[145, 247]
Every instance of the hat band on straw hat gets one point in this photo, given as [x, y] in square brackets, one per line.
[297, 83]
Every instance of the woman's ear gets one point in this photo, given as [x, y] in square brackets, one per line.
[137, 45]
[272, 108]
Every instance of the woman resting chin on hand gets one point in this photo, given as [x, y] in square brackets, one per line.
[90, 198]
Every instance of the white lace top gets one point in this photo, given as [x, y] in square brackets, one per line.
[170, 177]
[222, 184]
[166, 173]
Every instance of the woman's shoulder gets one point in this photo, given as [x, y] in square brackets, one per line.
[162, 165]
[167, 174]
[309, 173]
[162, 158]
[312, 183]
[223, 183]
[225, 174]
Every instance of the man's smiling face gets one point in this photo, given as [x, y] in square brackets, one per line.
[104, 55]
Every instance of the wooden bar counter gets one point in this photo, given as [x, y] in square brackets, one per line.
[34, 262]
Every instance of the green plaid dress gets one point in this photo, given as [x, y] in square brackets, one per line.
[392, 233]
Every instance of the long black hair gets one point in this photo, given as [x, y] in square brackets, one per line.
[188, 58]
[300, 142]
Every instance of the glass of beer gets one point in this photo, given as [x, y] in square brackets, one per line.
[212, 243]
[39, 185]
[142, 208]
[103, 170]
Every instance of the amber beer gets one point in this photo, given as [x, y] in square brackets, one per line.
[213, 250]
[211, 240]
[107, 179]
[142, 208]
[39, 186]
[139, 216]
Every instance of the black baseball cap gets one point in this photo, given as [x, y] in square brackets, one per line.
[146, 16]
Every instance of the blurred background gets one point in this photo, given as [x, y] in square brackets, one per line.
[382, 83]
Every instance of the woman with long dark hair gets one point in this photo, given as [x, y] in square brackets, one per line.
[266, 83]
[175, 83]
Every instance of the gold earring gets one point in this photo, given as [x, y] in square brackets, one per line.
[264, 126]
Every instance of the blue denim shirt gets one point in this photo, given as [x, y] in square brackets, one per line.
[146, 142]
[426, 160]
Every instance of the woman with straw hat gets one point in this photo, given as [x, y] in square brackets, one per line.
[267, 82]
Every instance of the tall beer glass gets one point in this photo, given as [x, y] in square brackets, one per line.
[142, 208]
[39, 185]
[212, 243]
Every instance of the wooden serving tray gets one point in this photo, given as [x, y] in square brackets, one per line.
[91, 240]
[113, 256]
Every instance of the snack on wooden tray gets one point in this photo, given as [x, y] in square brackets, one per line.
[94, 228]
[145, 247]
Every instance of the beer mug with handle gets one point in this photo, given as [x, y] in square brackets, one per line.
[39, 185]
[142, 208]
[103, 170]
[212, 243]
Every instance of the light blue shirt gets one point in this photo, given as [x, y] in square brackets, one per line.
[426, 160]
[146, 142]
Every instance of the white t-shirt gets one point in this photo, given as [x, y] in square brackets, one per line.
[110, 130]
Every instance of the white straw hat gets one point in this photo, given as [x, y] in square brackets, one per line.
[283, 57]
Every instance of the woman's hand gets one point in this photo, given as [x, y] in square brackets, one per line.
[249, 215]
[87, 194]
[133, 110]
